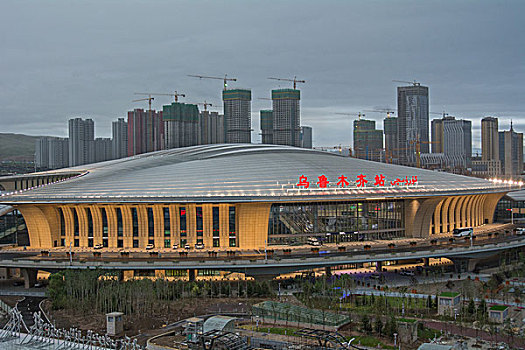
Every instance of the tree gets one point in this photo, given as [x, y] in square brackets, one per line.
[481, 313]
[471, 308]
[365, 324]
[378, 326]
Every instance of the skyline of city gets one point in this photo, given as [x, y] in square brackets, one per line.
[470, 70]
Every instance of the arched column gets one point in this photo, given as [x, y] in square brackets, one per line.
[444, 214]
[37, 226]
[451, 213]
[420, 214]
[457, 214]
[490, 206]
[437, 217]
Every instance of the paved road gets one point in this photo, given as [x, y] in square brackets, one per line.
[28, 307]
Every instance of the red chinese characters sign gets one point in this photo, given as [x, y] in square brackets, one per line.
[361, 180]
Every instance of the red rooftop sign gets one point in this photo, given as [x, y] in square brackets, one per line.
[360, 181]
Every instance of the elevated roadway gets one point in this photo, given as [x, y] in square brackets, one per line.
[259, 263]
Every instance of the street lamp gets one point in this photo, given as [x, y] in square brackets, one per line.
[395, 339]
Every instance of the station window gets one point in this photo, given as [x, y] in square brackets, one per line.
[182, 217]
[62, 222]
[135, 222]
[120, 243]
[167, 221]
[151, 241]
[183, 242]
[167, 243]
[62, 242]
[198, 216]
[120, 225]
[216, 226]
[105, 242]
[232, 227]
[90, 242]
[135, 243]
[104, 222]
[151, 223]
[75, 223]
[90, 222]
[76, 242]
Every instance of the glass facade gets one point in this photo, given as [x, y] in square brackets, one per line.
[167, 222]
[336, 221]
[75, 222]
[151, 223]
[182, 227]
[199, 224]
[232, 224]
[120, 225]
[104, 222]
[62, 222]
[135, 222]
[216, 227]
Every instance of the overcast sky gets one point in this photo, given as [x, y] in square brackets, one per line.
[63, 59]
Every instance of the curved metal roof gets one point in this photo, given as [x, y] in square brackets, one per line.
[243, 172]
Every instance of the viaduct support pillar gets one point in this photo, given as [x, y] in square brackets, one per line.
[191, 274]
[379, 266]
[29, 276]
[426, 262]
[328, 271]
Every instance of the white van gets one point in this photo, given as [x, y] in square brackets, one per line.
[520, 231]
[313, 241]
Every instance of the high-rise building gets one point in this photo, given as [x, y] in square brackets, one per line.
[145, 131]
[286, 117]
[452, 138]
[412, 109]
[103, 149]
[437, 135]
[81, 141]
[58, 153]
[237, 115]
[368, 142]
[181, 125]
[119, 146]
[306, 137]
[42, 152]
[391, 140]
[489, 139]
[511, 152]
[211, 127]
[266, 126]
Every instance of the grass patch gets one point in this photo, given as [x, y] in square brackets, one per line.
[369, 341]
[272, 330]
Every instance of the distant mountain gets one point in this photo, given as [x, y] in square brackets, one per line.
[17, 147]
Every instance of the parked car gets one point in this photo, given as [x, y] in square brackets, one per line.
[187, 246]
[406, 273]
[199, 246]
[98, 246]
[175, 246]
[150, 247]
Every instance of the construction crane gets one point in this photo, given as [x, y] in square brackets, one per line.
[225, 79]
[415, 83]
[149, 98]
[295, 81]
[359, 114]
[386, 110]
[444, 114]
[205, 104]
[176, 94]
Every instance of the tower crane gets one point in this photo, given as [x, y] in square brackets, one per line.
[359, 115]
[388, 111]
[225, 79]
[295, 81]
[149, 98]
[205, 104]
[444, 114]
[176, 94]
[415, 83]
